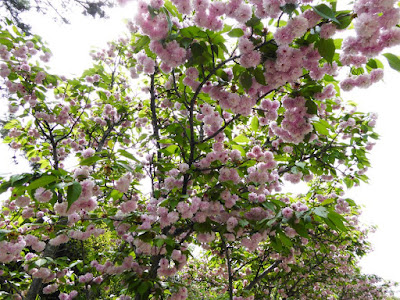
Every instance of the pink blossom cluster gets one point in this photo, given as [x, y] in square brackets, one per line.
[10, 251]
[243, 298]
[206, 237]
[110, 113]
[4, 53]
[155, 27]
[261, 174]
[327, 93]
[327, 30]
[165, 269]
[231, 223]
[14, 87]
[299, 206]
[185, 210]
[93, 79]
[182, 294]
[171, 55]
[43, 273]
[179, 258]
[58, 240]
[293, 177]
[362, 81]
[183, 6]
[88, 277]
[342, 206]
[288, 65]
[108, 267]
[251, 243]
[167, 218]
[208, 14]
[375, 28]
[22, 201]
[145, 64]
[4, 70]
[123, 183]
[270, 111]
[290, 232]
[90, 230]
[238, 104]
[230, 200]
[172, 180]
[294, 28]
[228, 174]
[267, 8]
[238, 10]
[190, 79]
[89, 152]
[262, 156]
[211, 118]
[70, 296]
[258, 214]
[287, 212]
[128, 206]
[249, 56]
[43, 195]
[295, 125]
[207, 209]
[50, 289]
[85, 201]
[63, 116]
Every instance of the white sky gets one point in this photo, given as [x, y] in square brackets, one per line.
[70, 45]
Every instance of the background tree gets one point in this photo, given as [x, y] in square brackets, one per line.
[58, 10]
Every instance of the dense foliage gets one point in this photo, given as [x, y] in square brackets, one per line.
[161, 172]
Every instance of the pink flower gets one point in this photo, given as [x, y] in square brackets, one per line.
[88, 152]
[287, 212]
[43, 195]
[123, 183]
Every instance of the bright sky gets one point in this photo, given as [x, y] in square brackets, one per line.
[70, 45]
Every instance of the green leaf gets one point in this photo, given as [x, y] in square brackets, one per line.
[237, 32]
[73, 193]
[321, 128]
[171, 149]
[41, 182]
[259, 75]
[289, 8]
[144, 287]
[285, 240]
[254, 125]
[326, 48]
[246, 80]
[301, 230]
[337, 220]
[253, 21]
[394, 61]
[90, 160]
[312, 107]
[141, 43]
[344, 21]
[3, 233]
[128, 155]
[349, 182]
[321, 211]
[40, 262]
[241, 139]
[326, 12]
[6, 42]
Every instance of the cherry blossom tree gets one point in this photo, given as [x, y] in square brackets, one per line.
[182, 138]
